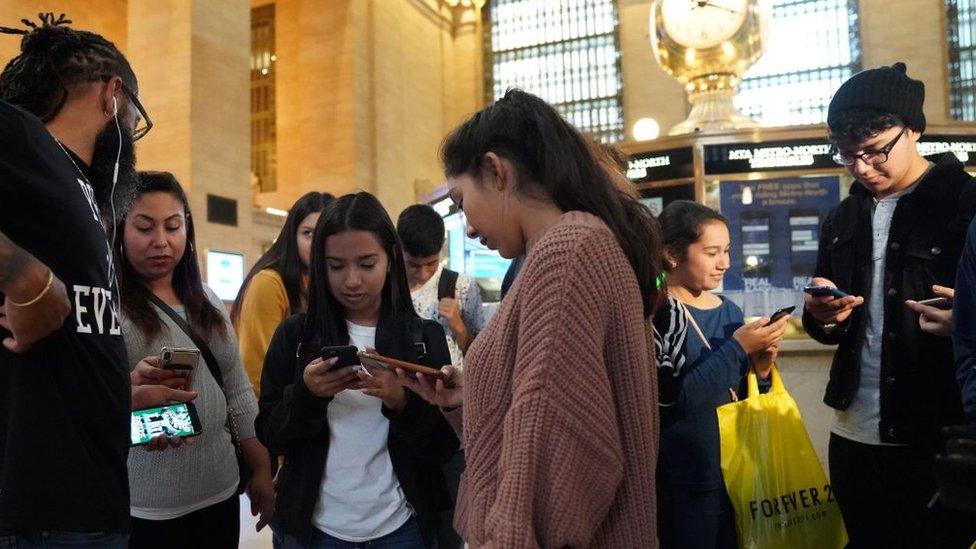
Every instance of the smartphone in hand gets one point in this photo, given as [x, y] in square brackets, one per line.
[780, 314]
[943, 303]
[345, 353]
[824, 291]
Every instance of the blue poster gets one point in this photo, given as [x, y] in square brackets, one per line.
[775, 230]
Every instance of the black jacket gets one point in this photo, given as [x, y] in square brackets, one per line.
[292, 422]
[918, 387]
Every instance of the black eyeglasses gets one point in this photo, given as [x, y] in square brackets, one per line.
[872, 158]
[141, 130]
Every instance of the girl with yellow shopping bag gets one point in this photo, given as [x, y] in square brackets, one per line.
[704, 350]
[777, 486]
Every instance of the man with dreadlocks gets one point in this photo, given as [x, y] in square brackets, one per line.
[69, 114]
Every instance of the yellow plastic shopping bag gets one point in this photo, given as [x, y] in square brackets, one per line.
[778, 488]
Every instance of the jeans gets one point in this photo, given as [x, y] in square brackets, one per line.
[63, 540]
[406, 537]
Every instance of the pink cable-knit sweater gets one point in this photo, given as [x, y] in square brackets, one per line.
[560, 423]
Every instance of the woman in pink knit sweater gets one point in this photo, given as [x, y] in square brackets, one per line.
[558, 407]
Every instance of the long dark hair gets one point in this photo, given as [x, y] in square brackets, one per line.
[555, 162]
[353, 212]
[187, 282]
[282, 256]
[53, 58]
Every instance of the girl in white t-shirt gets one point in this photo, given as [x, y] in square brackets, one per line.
[361, 454]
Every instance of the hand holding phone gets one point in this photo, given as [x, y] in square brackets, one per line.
[324, 380]
[181, 360]
[346, 355]
[375, 360]
[785, 311]
[827, 304]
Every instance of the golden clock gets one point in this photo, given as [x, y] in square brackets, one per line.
[708, 45]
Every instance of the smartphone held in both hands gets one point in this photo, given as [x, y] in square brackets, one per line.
[349, 355]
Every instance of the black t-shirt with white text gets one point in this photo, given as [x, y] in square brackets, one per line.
[64, 405]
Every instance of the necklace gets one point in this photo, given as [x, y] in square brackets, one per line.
[73, 163]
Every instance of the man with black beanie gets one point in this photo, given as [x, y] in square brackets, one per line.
[898, 234]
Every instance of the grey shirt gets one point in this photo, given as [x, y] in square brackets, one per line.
[177, 481]
[860, 421]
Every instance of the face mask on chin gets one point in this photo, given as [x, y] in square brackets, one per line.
[103, 168]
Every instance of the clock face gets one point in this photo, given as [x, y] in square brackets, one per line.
[702, 23]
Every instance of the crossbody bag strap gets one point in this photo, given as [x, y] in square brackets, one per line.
[694, 324]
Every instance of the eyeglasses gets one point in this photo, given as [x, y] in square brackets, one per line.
[872, 158]
[140, 131]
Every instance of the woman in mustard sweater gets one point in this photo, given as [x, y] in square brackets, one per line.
[277, 285]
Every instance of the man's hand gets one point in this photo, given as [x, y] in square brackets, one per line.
[35, 320]
[933, 320]
[829, 309]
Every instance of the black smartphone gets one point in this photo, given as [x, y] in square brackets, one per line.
[179, 419]
[780, 314]
[943, 303]
[345, 353]
[823, 291]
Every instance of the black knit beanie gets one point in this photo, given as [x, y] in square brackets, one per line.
[885, 89]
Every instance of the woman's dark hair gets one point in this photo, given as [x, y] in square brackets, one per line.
[187, 282]
[326, 317]
[681, 223]
[851, 127]
[282, 256]
[555, 162]
[54, 58]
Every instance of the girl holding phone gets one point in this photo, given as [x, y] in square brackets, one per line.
[558, 406]
[704, 349]
[362, 455]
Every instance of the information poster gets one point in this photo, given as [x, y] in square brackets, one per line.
[775, 230]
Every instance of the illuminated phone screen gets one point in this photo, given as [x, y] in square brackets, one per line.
[173, 420]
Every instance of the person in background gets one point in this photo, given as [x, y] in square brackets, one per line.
[899, 233]
[448, 297]
[559, 417]
[186, 496]
[362, 455]
[704, 350]
[277, 286]
[451, 298]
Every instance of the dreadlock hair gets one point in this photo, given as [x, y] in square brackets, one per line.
[53, 59]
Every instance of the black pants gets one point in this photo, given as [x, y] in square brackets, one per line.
[214, 527]
[884, 492]
[447, 538]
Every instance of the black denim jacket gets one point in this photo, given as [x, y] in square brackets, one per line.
[919, 392]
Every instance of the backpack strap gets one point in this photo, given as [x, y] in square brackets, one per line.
[447, 284]
[417, 338]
